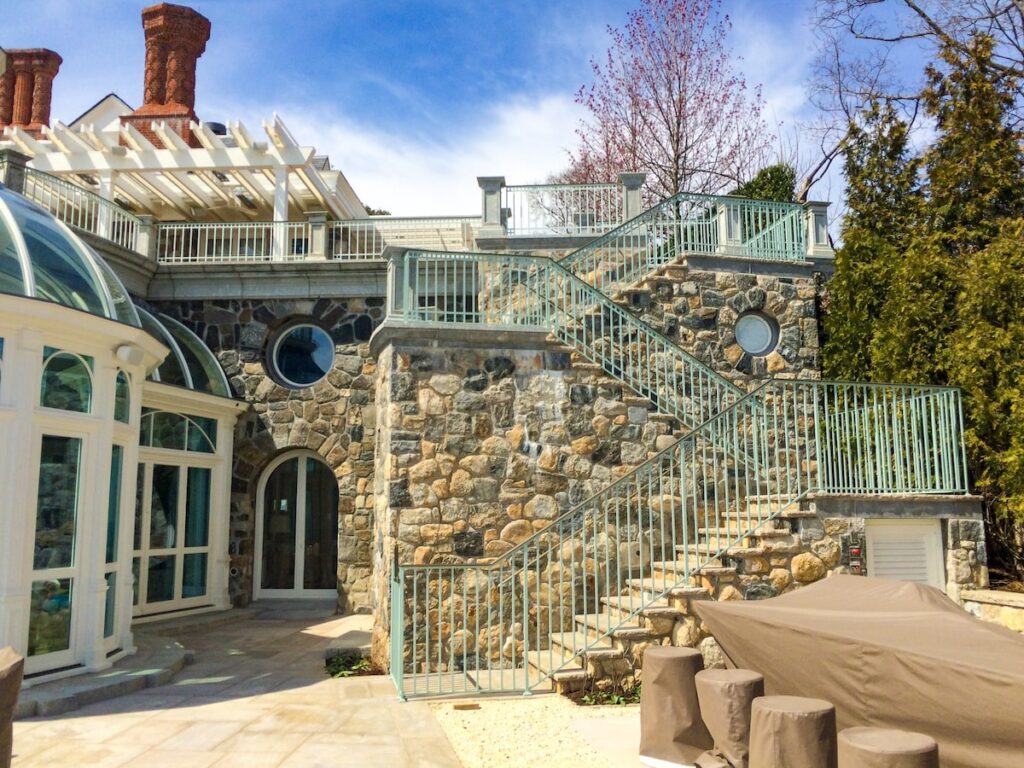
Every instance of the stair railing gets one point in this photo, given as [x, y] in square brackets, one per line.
[688, 223]
[497, 290]
[513, 623]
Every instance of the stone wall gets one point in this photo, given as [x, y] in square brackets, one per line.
[478, 448]
[335, 418]
[698, 310]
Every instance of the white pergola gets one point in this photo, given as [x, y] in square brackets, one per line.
[227, 178]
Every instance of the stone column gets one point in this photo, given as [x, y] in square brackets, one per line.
[146, 236]
[317, 236]
[632, 202]
[818, 246]
[13, 169]
[492, 223]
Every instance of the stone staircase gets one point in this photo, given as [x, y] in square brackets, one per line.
[596, 655]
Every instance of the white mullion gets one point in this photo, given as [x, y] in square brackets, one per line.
[300, 523]
[147, 500]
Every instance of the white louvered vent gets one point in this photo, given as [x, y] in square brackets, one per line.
[910, 551]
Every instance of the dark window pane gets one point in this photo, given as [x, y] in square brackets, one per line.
[136, 571]
[197, 508]
[114, 502]
[321, 556]
[168, 431]
[304, 355]
[49, 623]
[279, 527]
[140, 489]
[66, 384]
[122, 398]
[202, 434]
[163, 507]
[160, 586]
[57, 502]
[194, 576]
[109, 611]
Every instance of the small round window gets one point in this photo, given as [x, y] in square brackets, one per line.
[302, 355]
[757, 334]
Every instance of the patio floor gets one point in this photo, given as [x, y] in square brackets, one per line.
[257, 695]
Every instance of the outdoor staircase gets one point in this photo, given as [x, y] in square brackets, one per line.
[583, 597]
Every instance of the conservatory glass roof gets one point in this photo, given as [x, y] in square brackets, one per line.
[190, 364]
[41, 258]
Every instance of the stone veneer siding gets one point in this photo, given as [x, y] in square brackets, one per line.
[480, 448]
[336, 418]
[698, 310]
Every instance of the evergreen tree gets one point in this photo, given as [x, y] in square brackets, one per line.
[883, 201]
[773, 182]
[974, 183]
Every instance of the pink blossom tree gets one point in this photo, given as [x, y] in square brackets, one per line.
[668, 100]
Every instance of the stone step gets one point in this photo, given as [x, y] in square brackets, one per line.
[760, 533]
[597, 625]
[621, 607]
[571, 676]
[698, 550]
[580, 645]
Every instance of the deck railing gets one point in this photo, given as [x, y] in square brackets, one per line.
[691, 224]
[81, 209]
[547, 210]
[362, 239]
[461, 289]
[511, 624]
[187, 243]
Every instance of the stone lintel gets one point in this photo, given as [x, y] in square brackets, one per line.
[770, 267]
[395, 331]
[899, 506]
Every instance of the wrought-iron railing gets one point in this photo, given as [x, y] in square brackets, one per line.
[545, 210]
[188, 243]
[366, 239]
[462, 289]
[511, 624]
[690, 224]
[81, 209]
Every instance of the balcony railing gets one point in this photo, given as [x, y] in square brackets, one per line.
[186, 243]
[360, 239]
[81, 209]
[559, 210]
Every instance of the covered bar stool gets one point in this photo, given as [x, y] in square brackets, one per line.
[11, 667]
[672, 732]
[726, 696]
[886, 748]
[792, 732]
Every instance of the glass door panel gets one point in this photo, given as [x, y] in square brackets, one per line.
[321, 517]
[279, 527]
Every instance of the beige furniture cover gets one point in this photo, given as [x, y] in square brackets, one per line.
[889, 654]
[671, 728]
[886, 748]
[792, 732]
[726, 696]
[11, 667]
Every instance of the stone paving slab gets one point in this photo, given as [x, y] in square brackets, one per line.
[257, 695]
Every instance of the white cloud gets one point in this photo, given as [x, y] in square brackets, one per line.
[412, 175]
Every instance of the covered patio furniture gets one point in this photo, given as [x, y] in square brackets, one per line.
[886, 748]
[726, 696]
[888, 654]
[671, 729]
[792, 732]
[11, 667]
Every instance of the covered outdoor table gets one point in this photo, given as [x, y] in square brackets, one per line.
[886, 748]
[792, 732]
[671, 728]
[11, 667]
[726, 696]
[888, 654]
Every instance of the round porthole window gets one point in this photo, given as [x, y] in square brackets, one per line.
[756, 333]
[302, 355]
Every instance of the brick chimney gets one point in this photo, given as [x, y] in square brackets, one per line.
[26, 88]
[175, 39]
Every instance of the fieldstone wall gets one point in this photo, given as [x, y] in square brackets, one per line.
[336, 418]
[480, 448]
[698, 310]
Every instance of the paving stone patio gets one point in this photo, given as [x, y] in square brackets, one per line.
[256, 696]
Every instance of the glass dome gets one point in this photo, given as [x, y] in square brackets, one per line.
[190, 364]
[42, 258]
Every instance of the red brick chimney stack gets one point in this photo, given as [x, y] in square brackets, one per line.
[175, 39]
[26, 88]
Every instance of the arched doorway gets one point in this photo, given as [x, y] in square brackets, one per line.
[297, 528]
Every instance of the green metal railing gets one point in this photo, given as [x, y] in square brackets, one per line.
[512, 624]
[690, 224]
[462, 289]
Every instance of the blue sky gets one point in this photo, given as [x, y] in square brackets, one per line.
[412, 100]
